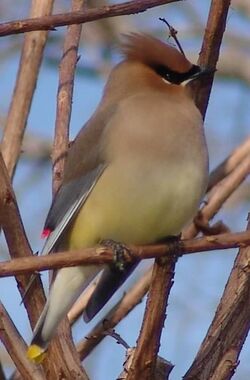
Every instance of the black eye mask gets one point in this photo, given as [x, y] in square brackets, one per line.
[175, 77]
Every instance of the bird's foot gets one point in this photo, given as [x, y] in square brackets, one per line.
[121, 253]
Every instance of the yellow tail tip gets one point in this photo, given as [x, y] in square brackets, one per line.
[36, 353]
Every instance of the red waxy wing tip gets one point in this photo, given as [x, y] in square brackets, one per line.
[46, 232]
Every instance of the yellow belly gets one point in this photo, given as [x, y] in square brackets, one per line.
[136, 208]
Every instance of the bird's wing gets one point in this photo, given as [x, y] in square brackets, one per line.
[67, 203]
[80, 177]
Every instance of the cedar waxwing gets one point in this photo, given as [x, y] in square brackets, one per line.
[135, 174]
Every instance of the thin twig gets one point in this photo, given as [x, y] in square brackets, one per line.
[218, 355]
[52, 22]
[30, 62]
[117, 337]
[173, 33]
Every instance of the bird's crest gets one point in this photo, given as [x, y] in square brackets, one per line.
[153, 52]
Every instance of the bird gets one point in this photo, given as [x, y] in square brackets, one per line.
[136, 173]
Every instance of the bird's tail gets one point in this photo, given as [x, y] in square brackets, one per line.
[68, 285]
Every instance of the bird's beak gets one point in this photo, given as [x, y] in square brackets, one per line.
[202, 73]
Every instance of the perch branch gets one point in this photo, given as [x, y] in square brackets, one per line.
[52, 22]
[104, 255]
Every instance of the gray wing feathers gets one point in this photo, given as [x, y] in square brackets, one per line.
[74, 194]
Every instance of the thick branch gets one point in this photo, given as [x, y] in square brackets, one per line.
[217, 358]
[145, 355]
[51, 22]
[16, 347]
[104, 255]
[32, 52]
[210, 49]
[18, 244]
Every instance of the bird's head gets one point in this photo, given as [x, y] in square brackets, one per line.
[168, 62]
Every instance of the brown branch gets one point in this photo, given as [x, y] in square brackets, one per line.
[63, 357]
[18, 244]
[29, 66]
[64, 97]
[210, 50]
[104, 255]
[162, 370]
[148, 344]
[218, 355]
[16, 347]
[52, 22]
